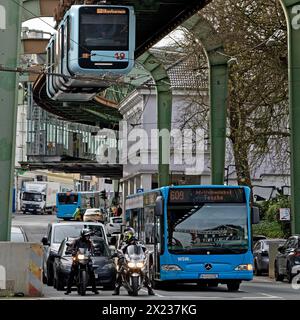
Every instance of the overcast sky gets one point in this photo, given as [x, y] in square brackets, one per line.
[39, 24]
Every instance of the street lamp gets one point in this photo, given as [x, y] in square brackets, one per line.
[227, 172]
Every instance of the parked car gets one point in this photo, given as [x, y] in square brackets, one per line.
[287, 261]
[105, 273]
[261, 255]
[93, 215]
[113, 226]
[257, 238]
[56, 233]
[18, 234]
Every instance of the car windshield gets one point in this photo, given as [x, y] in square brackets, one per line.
[73, 231]
[215, 227]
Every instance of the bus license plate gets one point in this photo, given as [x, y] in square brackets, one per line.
[209, 276]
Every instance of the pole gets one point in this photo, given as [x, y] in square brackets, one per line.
[10, 22]
[292, 12]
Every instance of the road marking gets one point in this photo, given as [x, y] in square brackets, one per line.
[265, 296]
[158, 295]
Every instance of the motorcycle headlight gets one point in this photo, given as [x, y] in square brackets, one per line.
[131, 264]
[81, 257]
[140, 264]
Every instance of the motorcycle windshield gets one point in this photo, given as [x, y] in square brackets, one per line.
[135, 252]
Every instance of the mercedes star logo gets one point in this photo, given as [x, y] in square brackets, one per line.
[207, 266]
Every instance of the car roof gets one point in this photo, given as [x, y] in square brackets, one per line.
[70, 223]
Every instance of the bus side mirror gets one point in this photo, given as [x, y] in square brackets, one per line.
[255, 215]
[159, 206]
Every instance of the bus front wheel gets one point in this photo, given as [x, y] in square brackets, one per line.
[233, 286]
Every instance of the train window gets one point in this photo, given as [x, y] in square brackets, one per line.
[104, 32]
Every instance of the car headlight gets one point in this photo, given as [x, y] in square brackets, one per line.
[131, 264]
[170, 267]
[244, 267]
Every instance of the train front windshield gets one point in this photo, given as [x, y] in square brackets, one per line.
[200, 227]
[104, 31]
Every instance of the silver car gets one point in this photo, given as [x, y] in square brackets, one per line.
[56, 233]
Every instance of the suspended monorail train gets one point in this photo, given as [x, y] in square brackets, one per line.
[93, 46]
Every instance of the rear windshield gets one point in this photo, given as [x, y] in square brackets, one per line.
[67, 199]
[73, 231]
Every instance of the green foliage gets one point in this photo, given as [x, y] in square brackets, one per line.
[269, 229]
[270, 226]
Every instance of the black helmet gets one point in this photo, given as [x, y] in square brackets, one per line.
[85, 232]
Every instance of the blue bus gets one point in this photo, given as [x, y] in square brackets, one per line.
[199, 234]
[68, 202]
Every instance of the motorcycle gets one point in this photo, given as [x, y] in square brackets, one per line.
[134, 268]
[83, 259]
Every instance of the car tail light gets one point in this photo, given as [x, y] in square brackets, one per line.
[297, 253]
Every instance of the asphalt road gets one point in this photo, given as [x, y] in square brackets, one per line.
[260, 288]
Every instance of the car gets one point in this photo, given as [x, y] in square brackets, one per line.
[104, 267]
[93, 215]
[261, 255]
[257, 238]
[113, 226]
[18, 234]
[56, 233]
[287, 261]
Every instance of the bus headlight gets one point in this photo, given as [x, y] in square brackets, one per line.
[244, 267]
[170, 267]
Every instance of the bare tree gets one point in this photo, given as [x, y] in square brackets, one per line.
[254, 34]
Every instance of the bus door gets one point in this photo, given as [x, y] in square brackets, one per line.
[158, 246]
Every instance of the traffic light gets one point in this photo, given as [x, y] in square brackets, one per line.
[103, 195]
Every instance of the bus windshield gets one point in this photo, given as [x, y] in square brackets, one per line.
[217, 228]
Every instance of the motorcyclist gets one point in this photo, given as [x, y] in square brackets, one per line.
[82, 242]
[129, 239]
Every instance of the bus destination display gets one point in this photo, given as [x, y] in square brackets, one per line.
[205, 195]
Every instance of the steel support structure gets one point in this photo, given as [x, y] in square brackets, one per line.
[218, 90]
[10, 39]
[292, 13]
[164, 113]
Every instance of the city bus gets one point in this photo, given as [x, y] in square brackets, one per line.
[198, 234]
[68, 202]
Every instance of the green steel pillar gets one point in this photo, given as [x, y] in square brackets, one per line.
[218, 107]
[292, 12]
[10, 22]
[218, 81]
[164, 113]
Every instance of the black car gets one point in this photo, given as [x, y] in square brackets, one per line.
[261, 255]
[287, 262]
[105, 273]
